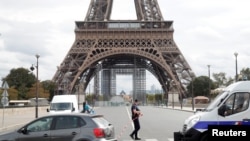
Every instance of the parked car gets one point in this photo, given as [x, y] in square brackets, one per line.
[64, 127]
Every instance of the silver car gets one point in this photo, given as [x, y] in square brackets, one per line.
[64, 127]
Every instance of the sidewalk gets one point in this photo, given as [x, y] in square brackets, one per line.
[187, 108]
[9, 121]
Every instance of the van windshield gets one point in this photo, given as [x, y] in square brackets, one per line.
[61, 106]
[217, 101]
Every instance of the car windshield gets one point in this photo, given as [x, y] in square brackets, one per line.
[42, 124]
[61, 106]
[217, 101]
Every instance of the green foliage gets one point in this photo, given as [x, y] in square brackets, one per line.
[244, 74]
[90, 99]
[22, 85]
[200, 86]
[22, 80]
[222, 80]
[158, 97]
[49, 86]
[22, 92]
[150, 97]
[20, 77]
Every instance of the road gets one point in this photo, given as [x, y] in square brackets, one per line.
[157, 123]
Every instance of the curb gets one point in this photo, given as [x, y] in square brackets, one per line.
[179, 108]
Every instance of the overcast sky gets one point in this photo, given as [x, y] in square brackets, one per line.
[208, 32]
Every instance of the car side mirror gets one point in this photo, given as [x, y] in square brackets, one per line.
[47, 109]
[222, 110]
[24, 130]
[73, 109]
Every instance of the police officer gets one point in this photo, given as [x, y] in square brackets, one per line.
[136, 113]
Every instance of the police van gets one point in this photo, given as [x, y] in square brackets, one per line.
[231, 107]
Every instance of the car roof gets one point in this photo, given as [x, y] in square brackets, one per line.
[73, 114]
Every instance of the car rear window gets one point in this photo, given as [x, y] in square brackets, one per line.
[101, 121]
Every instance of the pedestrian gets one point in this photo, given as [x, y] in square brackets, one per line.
[136, 113]
[86, 108]
[83, 107]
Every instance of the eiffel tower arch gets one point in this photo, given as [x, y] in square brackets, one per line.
[104, 45]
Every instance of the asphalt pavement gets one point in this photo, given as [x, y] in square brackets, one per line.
[17, 119]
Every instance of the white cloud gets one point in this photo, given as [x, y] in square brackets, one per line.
[206, 32]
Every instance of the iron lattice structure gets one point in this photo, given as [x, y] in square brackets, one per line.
[123, 46]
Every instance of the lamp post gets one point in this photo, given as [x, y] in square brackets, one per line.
[236, 67]
[78, 89]
[172, 84]
[32, 68]
[192, 89]
[209, 85]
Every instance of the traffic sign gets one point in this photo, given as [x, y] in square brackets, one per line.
[5, 85]
[5, 93]
[5, 101]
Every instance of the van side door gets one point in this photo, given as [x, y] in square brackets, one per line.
[235, 108]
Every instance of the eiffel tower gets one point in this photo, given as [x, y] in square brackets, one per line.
[123, 47]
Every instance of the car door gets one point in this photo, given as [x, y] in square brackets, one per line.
[65, 128]
[38, 130]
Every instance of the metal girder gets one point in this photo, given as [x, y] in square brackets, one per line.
[102, 42]
[148, 10]
[99, 10]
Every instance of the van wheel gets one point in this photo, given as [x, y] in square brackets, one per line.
[204, 137]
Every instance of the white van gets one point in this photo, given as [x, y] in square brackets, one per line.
[63, 104]
[231, 107]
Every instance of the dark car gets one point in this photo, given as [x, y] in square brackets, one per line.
[64, 127]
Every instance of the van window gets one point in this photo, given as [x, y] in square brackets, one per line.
[61, 106]
[217, 101]
[236, 103]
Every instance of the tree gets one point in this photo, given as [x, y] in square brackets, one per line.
[41, 92]
[222, 80]
[150, 98]
[22, 80]
[49, 86]
[200, 86]
[244, 74]
[22, 85]
[20, 77]
[158, 98]
[12, 93]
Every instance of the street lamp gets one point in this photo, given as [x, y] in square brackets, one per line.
[192, 91]
[78, 89]
[209, 85]
[172, 84]
[32, 68]
[236, 67]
